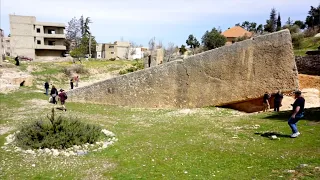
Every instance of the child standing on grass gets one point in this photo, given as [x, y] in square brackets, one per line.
[76, 79]
[71, 83]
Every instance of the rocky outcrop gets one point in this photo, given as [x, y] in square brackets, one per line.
[10, 79]
[226, 75]
[308, 64]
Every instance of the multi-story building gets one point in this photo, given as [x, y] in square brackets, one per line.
[36, 39]
[118, 50]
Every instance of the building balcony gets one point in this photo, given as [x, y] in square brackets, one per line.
[52, 36]
[50, 47]
[62, 36]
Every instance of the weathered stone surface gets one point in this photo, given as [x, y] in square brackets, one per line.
[309, 64]
[227, 75]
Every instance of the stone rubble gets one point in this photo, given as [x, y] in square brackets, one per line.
[76, 150]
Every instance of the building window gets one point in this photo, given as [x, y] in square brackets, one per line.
[112, 53]
[51, 31]
[111, 47]
[38, 42]
[51, 43]
[98, 55]
[38, 30]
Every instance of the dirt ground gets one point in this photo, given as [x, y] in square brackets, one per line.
[308, 81]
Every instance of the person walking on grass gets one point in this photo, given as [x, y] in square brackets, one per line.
[277, 101]
[71, 83]
[297, 113]
[63, 97]
[76, 79]
[266, 104]
[54, 93]
[46, 86]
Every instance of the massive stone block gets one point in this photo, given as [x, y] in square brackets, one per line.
[227, 75]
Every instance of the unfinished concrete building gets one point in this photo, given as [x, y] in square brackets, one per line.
[116, 50]
[36, 39]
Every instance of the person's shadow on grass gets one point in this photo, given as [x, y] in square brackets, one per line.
[269, 134]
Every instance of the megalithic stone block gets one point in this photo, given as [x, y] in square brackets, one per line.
[226, 75]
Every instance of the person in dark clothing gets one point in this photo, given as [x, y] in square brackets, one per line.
[297, 114]
[46, 87]
[17, 61]
[22, 83]
[277, 101]
[266, 104]
[53, 94]
[71, 83]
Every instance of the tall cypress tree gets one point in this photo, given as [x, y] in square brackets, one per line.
[279, 23]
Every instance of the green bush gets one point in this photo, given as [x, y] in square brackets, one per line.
[138, 65]
[58, 133]
[77, 68]
[297, 40]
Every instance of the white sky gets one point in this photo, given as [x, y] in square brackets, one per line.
[167, 20]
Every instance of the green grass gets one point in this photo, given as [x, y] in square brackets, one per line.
[166, 144]
[311, 43]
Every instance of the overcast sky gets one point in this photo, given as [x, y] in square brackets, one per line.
[167, 20]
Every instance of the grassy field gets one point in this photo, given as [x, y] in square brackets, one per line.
[307, 44]
[207, 143]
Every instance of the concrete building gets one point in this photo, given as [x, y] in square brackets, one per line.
[233, 33]
[118, 50]
[36, 39]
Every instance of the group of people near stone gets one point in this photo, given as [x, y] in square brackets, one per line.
[74, 79]
[297, 109]
[62, 95]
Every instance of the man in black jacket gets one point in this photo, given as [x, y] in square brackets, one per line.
[297, 114]
[46, 86]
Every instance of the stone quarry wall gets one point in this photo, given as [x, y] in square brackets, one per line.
[227, 75]
[309, 64]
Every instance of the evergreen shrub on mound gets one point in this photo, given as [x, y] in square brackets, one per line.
[57, 133]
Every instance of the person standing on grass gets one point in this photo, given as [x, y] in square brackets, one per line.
[54, 93]
[46, 86]
[71, 83]
[63, 97]
[266, 104]
[277, 101]
[76, 79]
[297, 114]
[17, 61]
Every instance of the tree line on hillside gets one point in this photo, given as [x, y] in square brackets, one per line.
[213, 39]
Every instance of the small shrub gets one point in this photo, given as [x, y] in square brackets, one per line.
[138, 65]
[112, 59]
[297, 40]
[77, 68]
[57, 133]
[242, 38]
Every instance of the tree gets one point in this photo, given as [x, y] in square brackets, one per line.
[272, 22]
[131, 50]
[73, 31]
[279, 22]
[86, 28]
[289, 22]
[169, 51]
[213, 39]
[238, 24]
[182, 49]
[253, 27]
[81, 21]
[192, 42]
[313, 19]
[300, 24]
[246, 25]
[260, 29]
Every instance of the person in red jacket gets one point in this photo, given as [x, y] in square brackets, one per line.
[63, 97]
